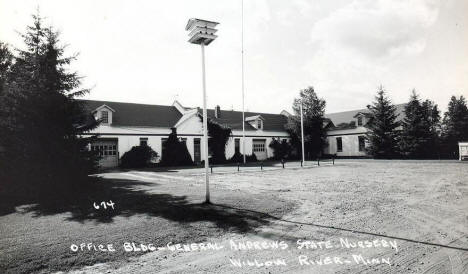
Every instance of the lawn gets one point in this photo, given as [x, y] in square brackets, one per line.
[419, 205]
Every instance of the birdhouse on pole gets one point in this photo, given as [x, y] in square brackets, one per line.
[201, 31]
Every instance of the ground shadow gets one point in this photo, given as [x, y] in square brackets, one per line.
[131, 198]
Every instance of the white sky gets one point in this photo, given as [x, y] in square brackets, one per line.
[137, 51]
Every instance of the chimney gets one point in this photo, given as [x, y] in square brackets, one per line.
[217, 112]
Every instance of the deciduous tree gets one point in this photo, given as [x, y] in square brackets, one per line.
[313, 115]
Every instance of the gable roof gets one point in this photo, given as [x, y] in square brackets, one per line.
[348, 116]
[138, 115]
[233, 119]
[252, 118]
[104, 106]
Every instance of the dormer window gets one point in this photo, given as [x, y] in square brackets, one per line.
[105, 116]
[255, 121]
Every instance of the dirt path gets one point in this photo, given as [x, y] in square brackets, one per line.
[420, 206]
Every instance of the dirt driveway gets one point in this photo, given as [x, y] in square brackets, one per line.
[354, 217]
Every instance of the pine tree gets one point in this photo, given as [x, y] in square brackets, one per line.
[313, 109]
[455, 126]
[382, 127]
[6, 61]
[43, 121]
[175, 152]
[219, 136]
[419, 128]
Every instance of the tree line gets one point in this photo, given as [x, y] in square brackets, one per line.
[421, 133]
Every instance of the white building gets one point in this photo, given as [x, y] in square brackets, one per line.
[463, 150]
[125, 125]
[346, 132]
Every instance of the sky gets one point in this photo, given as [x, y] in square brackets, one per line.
[137, 51]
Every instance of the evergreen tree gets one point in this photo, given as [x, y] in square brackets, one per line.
[455, 126]
[313, 109]
[382, 125]
[174, 152]
[219, 135]
[41, 120]
[432, 119]
[419, 128]
[6, 61]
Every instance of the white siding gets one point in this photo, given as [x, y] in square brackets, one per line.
[350, 142]
[189, 128]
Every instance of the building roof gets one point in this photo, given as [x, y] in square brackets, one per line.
[233, 119]
[138, 115]
[348, 116]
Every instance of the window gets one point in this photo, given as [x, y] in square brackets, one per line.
[237, 145]
[362, 143]
[359, 121]
[105, 150]
[339, 144]
[259, 124]
[143, 141]
[259, 147]
[105, 116]
[196, 150]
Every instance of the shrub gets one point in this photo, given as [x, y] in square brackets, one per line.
[175, 152]
[281, 149]
[219, 135]
[239, 158]
[137, 157]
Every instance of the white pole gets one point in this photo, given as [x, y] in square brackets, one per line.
[243, 106]
[205, 127]
[302, 136]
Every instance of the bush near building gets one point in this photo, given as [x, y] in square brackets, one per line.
[239, 158]
[138, 157]
[174, 152]
[281, 149]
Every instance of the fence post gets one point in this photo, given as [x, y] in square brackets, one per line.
[301, 163]
[282, 162]
[318, 161]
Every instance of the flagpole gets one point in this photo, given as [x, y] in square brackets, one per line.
[302, 135]
[243, 96]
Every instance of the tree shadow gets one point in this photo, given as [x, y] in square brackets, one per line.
[132, 197]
